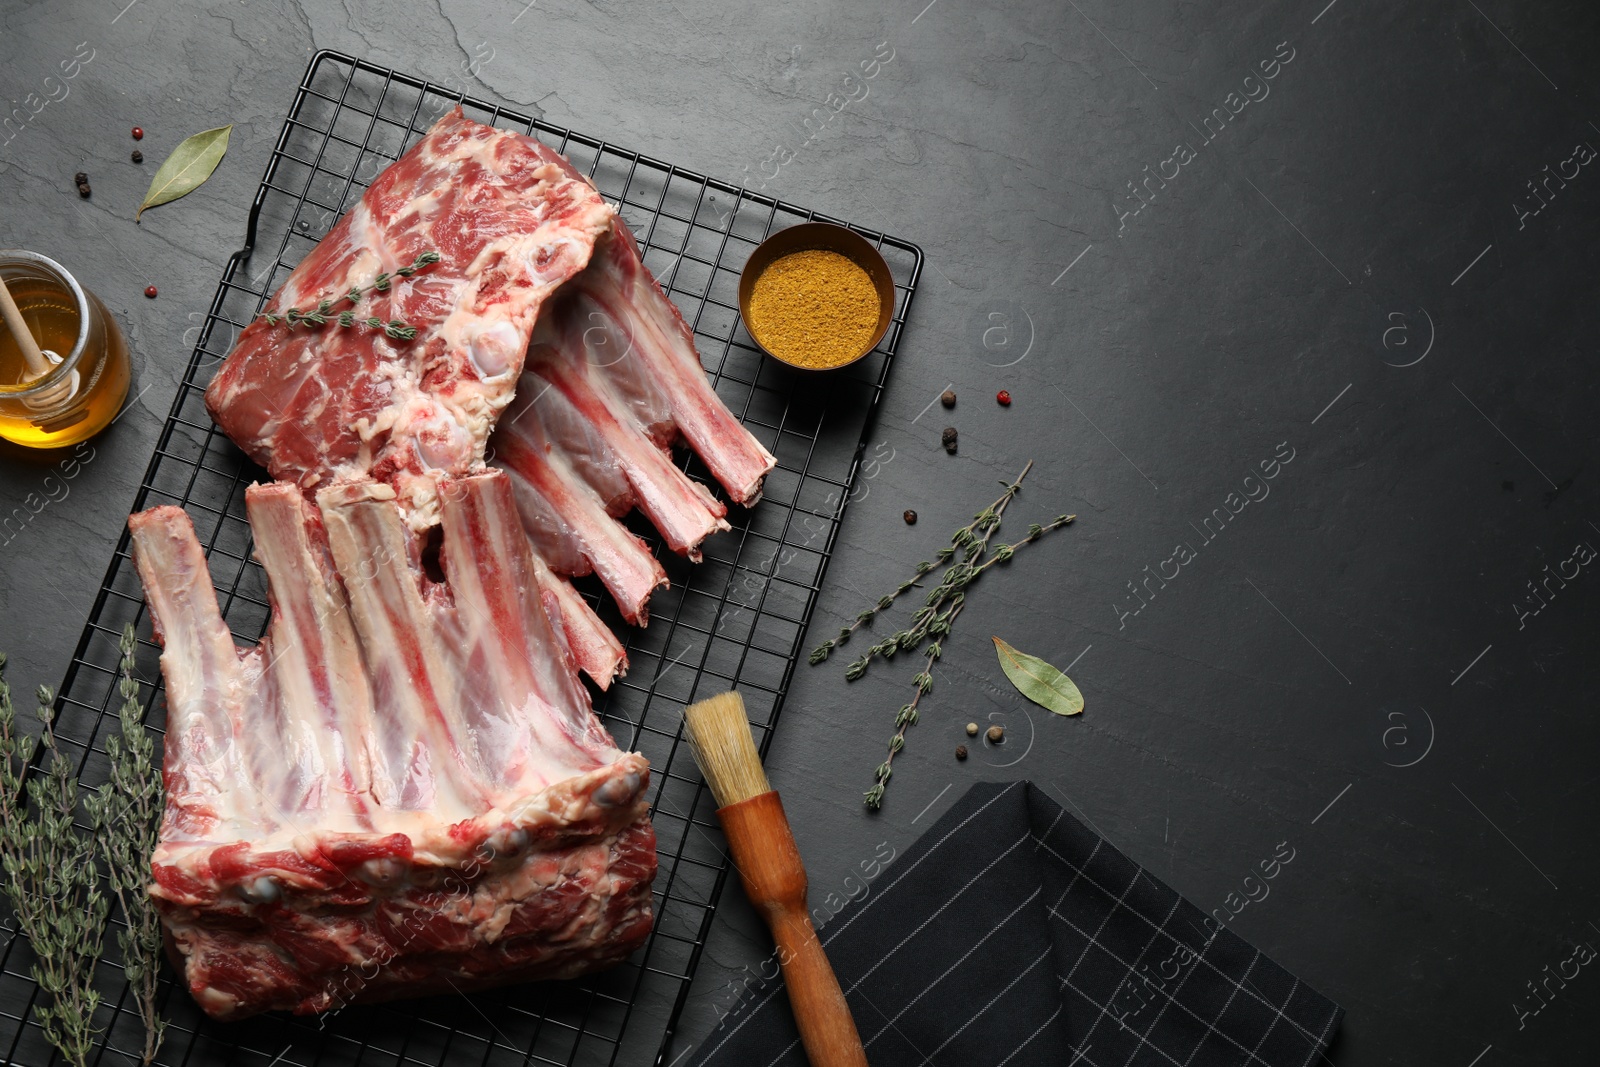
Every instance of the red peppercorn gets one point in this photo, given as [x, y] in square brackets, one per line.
[150, 291]
[138, 133]
[1004, 398]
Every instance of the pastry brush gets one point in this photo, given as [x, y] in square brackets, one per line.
[768, 863]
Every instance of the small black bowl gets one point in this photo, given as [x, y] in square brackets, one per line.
[826, 237]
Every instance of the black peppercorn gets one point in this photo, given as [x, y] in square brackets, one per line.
[80, 178]
[961, 752]
[948, 439]
[948, 398]
[910, 517]
[83, 190]
[138, 156]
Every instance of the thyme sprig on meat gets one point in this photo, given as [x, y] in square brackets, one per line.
[51, 878]
[125, 814]
[395, 329]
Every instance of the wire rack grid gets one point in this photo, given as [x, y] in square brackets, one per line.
[736, 619]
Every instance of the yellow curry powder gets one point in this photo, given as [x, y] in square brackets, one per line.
[815, 308]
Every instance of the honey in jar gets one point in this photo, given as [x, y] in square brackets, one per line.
[88, 379]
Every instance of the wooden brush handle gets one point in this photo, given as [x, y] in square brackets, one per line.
[775, 880]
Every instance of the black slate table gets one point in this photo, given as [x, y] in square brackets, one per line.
[1349, 243]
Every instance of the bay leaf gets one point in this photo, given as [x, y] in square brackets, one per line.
[1038, 681]
[187, 168]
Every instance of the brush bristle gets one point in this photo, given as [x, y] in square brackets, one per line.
[719, 734]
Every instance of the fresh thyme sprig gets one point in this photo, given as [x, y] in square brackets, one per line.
[396, 329]
[963, 538]
[939, 610]
[933, 623]
[934, 617]
[922, 682]
[125, 815]
[971, 541]
[51, 879]
[824, 650]
[948, 595]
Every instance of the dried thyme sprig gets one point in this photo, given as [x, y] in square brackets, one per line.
[397, 329]
[51, 878]
[965, 540]
[125, 815]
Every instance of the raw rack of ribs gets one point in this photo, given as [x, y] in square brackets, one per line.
[403, 788]
[612, 381]
[512, 221]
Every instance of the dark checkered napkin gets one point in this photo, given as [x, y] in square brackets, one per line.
[1010, 934]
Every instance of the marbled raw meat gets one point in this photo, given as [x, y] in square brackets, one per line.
[403, 788]
[324, 405]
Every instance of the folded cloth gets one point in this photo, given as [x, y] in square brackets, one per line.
[1010, 934]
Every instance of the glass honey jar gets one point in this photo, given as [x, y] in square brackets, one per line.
[87, 379]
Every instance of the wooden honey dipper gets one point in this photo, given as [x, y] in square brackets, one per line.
[768, 863]
[40, 361]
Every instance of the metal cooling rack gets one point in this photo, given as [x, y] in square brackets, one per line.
[736, 619]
